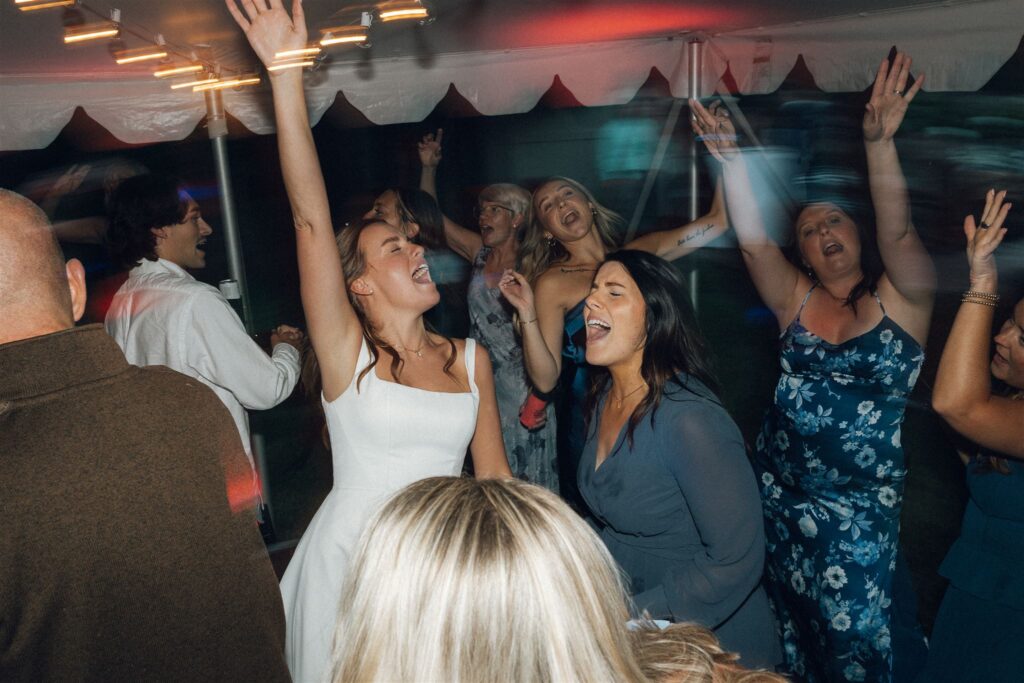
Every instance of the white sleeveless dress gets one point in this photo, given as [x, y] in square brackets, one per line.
[384, 436]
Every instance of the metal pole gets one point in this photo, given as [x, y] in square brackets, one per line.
[696, 53]
[217, 125]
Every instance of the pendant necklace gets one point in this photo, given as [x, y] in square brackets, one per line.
[619, 401]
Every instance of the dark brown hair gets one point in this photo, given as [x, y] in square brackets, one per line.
[673, 344]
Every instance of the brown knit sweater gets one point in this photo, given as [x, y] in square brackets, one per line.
[121, 558]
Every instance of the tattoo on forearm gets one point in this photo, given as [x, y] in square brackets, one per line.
[695, 234]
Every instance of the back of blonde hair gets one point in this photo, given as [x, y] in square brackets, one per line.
[691, 653]
[461, 581]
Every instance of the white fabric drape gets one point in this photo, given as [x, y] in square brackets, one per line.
[959, 47]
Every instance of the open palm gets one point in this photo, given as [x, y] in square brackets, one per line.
[889, 99]
[268, 28]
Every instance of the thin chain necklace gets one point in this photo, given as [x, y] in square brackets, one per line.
[620, 400]
[417, 351]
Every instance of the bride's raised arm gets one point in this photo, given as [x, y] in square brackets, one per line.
[334, 328]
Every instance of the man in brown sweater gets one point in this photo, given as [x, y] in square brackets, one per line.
[128, 545]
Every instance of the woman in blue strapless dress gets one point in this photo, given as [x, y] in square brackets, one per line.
[829, 458]
[565, 243]
[980, 623]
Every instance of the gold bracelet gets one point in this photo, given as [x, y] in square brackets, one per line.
[523, 323]
[982, 302]
[982, 295]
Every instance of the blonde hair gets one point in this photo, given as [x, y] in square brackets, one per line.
[690, 653]
[538, 252]
[459, 580]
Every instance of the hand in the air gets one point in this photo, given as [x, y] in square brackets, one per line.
[714, 127]
[884, 112]
[983, 239]
[269, 29]
[430, 149]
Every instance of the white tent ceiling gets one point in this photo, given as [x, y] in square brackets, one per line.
[501, 55]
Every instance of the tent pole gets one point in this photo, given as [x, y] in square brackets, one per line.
[696, 53]
[217, 125]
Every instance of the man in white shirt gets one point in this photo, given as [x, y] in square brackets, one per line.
[164, 316]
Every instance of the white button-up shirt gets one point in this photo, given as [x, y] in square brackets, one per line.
[164, 316]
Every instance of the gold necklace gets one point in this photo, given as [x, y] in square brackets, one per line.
[417, 351]
[620, 400]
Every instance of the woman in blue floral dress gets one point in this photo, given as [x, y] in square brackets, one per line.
[829, 458]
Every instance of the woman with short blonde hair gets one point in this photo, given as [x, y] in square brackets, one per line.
[464, 580]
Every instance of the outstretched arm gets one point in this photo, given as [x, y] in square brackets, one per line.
[780, 284]
[963, 387]
[907, 264]
[462, 241]
[333, 326]
[678, 242]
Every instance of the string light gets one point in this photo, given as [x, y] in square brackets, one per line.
[397, 10]
[31, 5]
[178, 70]
[230, 83]
[344, 34]
[292, 64]
[311, 51]
[202, 71]
[190, 84]
[81, 34]
[139, 55]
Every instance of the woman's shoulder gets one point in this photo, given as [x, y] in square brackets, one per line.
[692, 407]
[685, 387]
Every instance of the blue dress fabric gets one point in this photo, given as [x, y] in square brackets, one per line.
[679, 511]
[832, 470]
[571, 393]
[531, 454]
[980, 625]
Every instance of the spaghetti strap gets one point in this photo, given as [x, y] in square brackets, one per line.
[804, 302]
[470, 353]
[880, 304]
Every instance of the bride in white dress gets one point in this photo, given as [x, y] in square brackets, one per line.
[409, 416]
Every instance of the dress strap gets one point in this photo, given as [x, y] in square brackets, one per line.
[470, 353]
[880, 304]
[804, 302]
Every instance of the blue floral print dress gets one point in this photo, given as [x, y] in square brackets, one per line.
[831, 471]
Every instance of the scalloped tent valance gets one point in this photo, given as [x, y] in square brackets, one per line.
[959, 46]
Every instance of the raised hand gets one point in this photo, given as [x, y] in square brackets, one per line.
[983, 238]
[884, 112]
[268, 28]
[430, 149]
[714, 127]
[517, 291]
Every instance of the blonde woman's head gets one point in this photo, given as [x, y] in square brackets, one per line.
[460, 580]
[564, 211]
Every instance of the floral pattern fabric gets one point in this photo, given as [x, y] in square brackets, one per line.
[831, 471]
[531, 455]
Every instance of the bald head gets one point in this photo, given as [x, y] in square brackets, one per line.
[39, 293]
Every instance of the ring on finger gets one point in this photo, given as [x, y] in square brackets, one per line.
[898, 92]
[984, 225]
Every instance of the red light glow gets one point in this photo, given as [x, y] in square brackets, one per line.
[582, 24]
